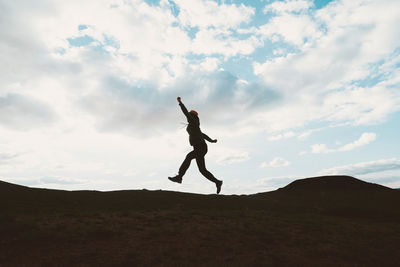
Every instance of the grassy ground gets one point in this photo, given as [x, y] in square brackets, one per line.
[146, 228]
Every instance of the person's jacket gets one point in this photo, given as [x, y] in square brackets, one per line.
[196, 137]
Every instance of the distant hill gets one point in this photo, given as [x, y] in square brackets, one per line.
[333, 183]
[344, 196]
[325, 193]
[320, 221]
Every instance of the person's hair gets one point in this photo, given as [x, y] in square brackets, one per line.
[194, 112]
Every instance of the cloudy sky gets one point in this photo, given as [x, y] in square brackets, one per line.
[290, 89]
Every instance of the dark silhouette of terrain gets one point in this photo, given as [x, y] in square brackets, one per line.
[321, 221]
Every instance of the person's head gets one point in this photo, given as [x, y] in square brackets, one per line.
[194, 112]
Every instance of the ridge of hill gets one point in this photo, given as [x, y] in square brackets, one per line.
[343, 195]
[324, 183]
[333, 183]
[320, 221]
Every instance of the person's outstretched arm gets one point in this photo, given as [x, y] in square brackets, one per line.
[184, 109]
[209, 139]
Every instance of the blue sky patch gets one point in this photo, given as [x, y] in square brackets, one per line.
[82, 27]
[80, 41]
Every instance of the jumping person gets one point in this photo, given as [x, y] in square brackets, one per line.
[197, 140]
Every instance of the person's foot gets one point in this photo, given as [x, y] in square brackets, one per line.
[218, 184]
[176, 179]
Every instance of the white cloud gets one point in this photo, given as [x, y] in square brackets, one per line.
[60, 180]
[364, 167]
[219, 97]
[289, 134]
[119, 78]
[288, 6]
[278, 52]
[205, 13]
[6, 157]
[230, 157]
[276, 162]
[362, 105]
[284, 135]
[210, 64]
[339, 46]
[23, 113]
[305, 134]
[364, 139]
[224, 42]
[294, 29]
[320, 148]
[158, 61]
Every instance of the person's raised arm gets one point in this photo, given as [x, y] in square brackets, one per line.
[184, 109]
[209, 139]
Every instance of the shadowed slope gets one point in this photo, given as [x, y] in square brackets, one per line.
[318, 194]
[343, 196]
[322, 221]
[333, 183]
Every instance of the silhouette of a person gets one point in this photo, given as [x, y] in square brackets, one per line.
[197, 140]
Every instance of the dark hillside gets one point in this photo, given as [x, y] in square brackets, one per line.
[333, 183]
[343, 196]
[338, 195]
[321, 221]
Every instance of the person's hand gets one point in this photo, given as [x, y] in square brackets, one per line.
[179, 99]
[214, 141]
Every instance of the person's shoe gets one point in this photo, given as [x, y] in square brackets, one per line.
[176, 179]
[218, 184]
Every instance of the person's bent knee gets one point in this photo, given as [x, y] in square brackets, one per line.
[189, 157]
[204, 171]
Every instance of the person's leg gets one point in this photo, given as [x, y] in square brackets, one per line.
[202, 168]
[200, 152]
[186, 163]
